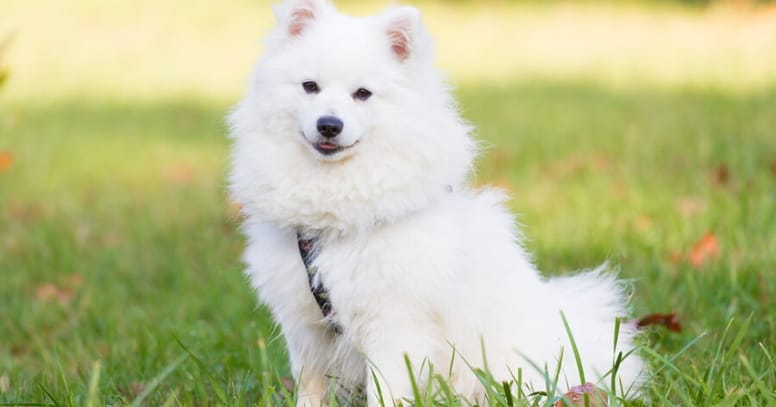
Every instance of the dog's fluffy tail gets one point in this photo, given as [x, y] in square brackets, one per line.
[596, 294]
[591, 302]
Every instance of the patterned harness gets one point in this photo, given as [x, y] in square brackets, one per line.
[320, 293]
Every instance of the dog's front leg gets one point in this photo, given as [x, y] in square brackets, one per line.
[306, 352]
[312, 390]
[388, 340]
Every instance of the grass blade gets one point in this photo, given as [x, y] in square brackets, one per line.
[94, 381]
[204, 368]
[413, 381]
[48, 395]
[574, 349]
[766, 391]
[156, 381]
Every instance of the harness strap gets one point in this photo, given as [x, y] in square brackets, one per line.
[320, 293]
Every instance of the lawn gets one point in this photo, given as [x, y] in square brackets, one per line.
[120, 277]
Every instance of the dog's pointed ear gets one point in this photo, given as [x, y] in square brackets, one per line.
[405, 32]
[295, 15]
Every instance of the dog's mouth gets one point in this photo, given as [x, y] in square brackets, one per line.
[327, 147]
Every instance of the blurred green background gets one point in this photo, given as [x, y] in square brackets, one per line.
[640, 132]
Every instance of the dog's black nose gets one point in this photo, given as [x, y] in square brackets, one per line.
[329, 126]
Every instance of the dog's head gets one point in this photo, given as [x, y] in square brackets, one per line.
[339, 77]
[351, 104]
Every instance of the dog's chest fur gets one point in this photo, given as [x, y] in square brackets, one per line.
[368, 273]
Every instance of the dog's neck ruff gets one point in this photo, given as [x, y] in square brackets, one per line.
[320, 293]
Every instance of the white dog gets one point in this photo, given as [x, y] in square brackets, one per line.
[351, 163]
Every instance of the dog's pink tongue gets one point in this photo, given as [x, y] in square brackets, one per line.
[327, 146]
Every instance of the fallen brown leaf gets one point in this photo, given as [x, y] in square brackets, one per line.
[62, 293]
[643, 223]
[765, 292]
[179, 173]
[669, 321]
[103, 349]
[6, 160]
[773, 168]
[132, 390]
[704, 250]
[565, 167]
[576, 396]
[501, 158]
[690, 206]
[74, 280]
[53, 292]
[24, 212]
[601, 162]
[675, 258]
[288, 383]
[721, 175]
[576, 164]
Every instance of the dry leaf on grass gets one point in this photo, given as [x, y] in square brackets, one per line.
[576, 164]
[62, 293]
[288, 384]
[6, 160]
[179, 173]
[704, 250]
[643, 223]
[765, 292]
[565, 167]
[576, 396]
[721, 175]
[675, 258]
[74, 280]
[501, 158]
[49, 292]
[669, 321]
[773, 168]
[601, 162]
[690, 206]
[24, 212]
[132, 390]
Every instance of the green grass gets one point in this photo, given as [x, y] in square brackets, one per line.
[120, 277]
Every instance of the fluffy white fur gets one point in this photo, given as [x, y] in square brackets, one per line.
[415, 261]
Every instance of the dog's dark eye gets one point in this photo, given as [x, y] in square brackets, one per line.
[310, 87]
[362, 94]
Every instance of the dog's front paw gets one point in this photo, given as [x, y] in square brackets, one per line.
[310, 400]
[312, 391]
